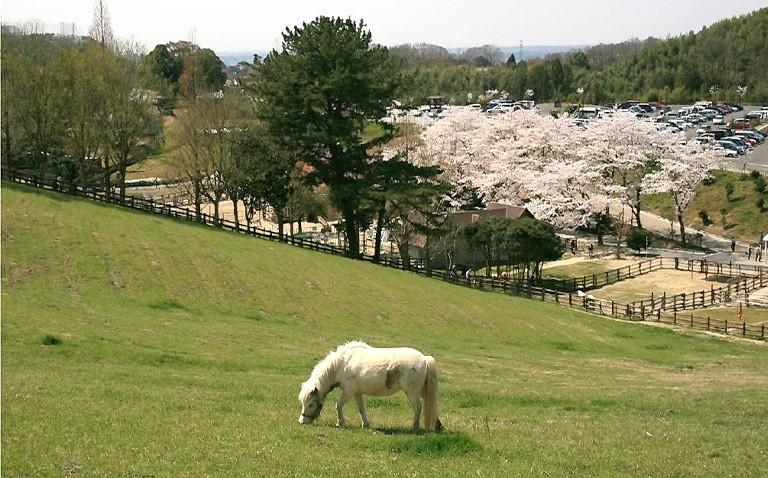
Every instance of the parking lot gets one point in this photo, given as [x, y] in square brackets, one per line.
[755, 160]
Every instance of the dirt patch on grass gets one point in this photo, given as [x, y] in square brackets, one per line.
[657, 283]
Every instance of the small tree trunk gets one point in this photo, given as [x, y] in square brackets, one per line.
[681, 222]
[280, 225]
[235, 202]
[216, 218]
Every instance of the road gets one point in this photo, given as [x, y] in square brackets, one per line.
[721, 245]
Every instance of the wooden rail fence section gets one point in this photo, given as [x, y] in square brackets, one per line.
[597, 281]
[564, 292]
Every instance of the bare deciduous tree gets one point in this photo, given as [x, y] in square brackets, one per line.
[101, 28]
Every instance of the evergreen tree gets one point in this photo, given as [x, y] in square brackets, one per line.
[323, 95]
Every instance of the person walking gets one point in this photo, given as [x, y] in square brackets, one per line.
[733, 244]
[749, 252]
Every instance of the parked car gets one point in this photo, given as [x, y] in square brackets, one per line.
[732, 145]
[680, 123]
[752, 141]
[722, 151]
[722, 132]
[718, 120]
[740, 141]
[741, 123]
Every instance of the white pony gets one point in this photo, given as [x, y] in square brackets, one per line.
[358, 369]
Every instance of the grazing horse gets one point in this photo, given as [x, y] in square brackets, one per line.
[359, 369]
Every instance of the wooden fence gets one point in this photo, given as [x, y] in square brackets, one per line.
[611, 308]
[572, 297]
[713, 297]
[597, 281]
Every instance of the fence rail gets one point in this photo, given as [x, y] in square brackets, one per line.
[597, 281]
[573, 297]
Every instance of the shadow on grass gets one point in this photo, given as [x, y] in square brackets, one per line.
[420, 443]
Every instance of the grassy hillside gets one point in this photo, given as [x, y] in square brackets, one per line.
[135, 345]
[737, 215]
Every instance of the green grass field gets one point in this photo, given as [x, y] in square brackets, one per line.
[137, 346]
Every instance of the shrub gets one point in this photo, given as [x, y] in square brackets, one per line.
[760, 185]
[729, 188]
[704, 215]
[637, 239]
[49, 339]
[760, 203]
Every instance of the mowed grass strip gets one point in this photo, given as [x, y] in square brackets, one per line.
[135, 345]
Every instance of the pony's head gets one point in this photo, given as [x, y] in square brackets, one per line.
[311, 403]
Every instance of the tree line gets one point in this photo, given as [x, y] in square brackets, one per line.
[711, 64]
[71, 109]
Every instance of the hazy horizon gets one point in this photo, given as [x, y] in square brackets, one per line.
[251, 26]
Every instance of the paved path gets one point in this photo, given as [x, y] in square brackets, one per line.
[719, 244]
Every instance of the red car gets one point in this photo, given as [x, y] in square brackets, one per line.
[741, 123]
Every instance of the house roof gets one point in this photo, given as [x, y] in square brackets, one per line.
[493, 209]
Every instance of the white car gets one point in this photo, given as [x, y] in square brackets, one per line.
[718, 120]
[728, 153]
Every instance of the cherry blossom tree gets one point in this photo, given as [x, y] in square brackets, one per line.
[564, 174]
[681, 170]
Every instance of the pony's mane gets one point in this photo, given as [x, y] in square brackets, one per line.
[322, 371]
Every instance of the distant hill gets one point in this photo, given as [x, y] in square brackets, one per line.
[711, 64]
[231, 58]
[529, 52]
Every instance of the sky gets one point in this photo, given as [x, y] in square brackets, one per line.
[257, 25]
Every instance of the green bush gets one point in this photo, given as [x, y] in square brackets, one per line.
[49, 339]
[704, 215]
[729, 188]
[760, 185]
[637, 239]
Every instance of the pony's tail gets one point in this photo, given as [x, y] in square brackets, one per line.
[429, 393]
